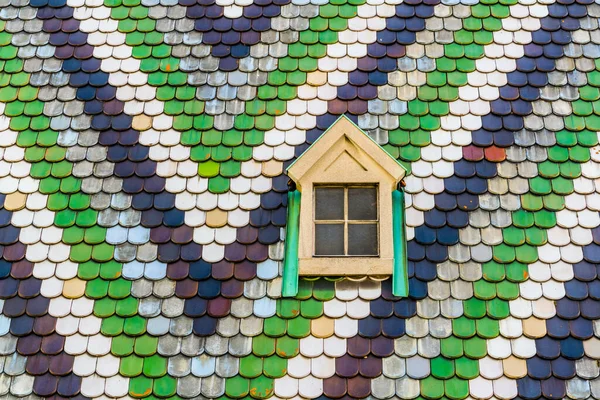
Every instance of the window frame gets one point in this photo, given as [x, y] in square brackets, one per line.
[342, 155]
[346, 221]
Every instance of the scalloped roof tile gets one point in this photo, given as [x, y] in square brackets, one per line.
[143, 194]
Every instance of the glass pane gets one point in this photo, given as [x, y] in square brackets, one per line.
[329, 239]
[329, 203]
[362, 239]
[362, 204]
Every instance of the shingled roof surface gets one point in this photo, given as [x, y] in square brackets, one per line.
[143, 145]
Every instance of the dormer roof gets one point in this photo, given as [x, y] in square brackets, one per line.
[349, 150]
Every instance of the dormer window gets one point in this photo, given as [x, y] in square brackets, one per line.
[344, 210]
[346, 221]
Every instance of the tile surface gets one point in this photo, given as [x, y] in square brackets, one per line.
[143, 145]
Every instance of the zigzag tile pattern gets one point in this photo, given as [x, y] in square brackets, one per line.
[143, 148]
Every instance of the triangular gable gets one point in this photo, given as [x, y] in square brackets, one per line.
[343, 128]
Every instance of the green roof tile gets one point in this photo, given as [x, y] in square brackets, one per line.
[451, 347]
[145, 345]
[517, 272]
[237, 387]
[155, 366]
[261, 387]
[165, 386]
[104, 308]
[263, 346]
[432, 388]
[135, 326]
[311, 308]
[275, 367]
[251, 366]
[112, 326]
[474, 308]
[484, 290]
[463, 327]
[497, 308]
[298, 327]
[493, 271]
[466, 368]
[442, 368]
[140, 387]
[287, 347]
[487, 328]
[456, 388]
[475, 347]
[131, 366]
[274, 327]
[323, 290]
[507, 290]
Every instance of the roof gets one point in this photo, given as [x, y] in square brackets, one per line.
[344, 129]
[144, 144]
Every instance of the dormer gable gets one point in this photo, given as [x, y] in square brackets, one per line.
[345, 154]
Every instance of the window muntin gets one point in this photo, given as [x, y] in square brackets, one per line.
[346, 220]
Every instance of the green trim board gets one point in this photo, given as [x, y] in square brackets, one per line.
[290, 261]
[400, 271]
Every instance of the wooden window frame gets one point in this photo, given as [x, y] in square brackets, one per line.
[346, 221]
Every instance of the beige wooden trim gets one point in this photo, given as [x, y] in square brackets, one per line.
[345, 266]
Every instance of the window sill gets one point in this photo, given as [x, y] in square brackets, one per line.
[344, 266]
